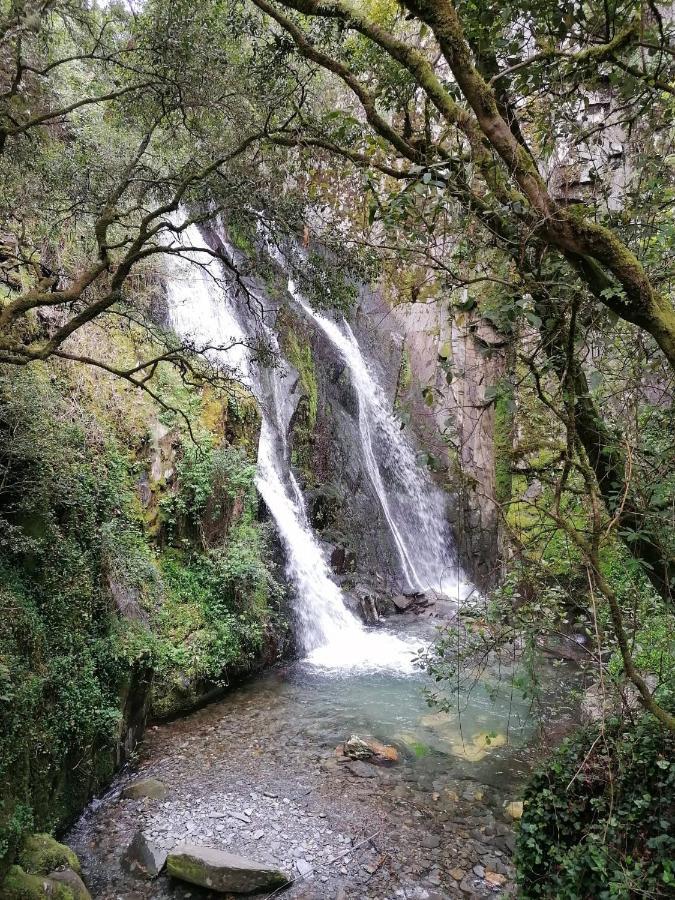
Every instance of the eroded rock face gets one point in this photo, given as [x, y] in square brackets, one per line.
[223, 872]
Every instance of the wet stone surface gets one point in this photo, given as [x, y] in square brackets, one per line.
[257, 775]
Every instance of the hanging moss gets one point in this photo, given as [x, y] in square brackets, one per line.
[300, 357]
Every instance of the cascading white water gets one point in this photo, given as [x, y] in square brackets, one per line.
[203, 311]
[412, 505]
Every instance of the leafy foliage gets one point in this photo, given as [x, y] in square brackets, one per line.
[598, 817]
[91, 604]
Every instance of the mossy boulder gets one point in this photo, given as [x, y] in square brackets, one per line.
[151, 788]
[223, 872]
[42, 854]
[72, 881]
[20, 885]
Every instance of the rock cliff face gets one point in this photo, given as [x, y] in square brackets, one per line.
[324, 440]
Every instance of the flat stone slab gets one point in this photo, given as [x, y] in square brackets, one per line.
[361, 769]
[401, 602]
[223, 872]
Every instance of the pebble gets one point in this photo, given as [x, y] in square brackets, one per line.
[431, 841]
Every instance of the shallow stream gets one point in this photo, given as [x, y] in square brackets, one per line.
[257, 774]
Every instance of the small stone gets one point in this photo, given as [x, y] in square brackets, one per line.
[303, 867]
[361, 769]
[240, 817]
[431, 841]
[457, 873]
[467, 884]
[479, 871]
[514, 809]
[495, 879]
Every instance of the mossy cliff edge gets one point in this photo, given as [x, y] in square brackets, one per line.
[135, 575]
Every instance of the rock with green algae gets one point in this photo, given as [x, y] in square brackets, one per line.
[42, 854]
[151, 788]
[73, 882]
[223, 872]
[21, 885]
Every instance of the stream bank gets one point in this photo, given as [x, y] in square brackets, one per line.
[257, 774]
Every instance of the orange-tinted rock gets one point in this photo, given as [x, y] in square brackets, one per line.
[369, 750]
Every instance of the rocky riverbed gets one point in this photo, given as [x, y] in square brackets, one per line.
[258, 774]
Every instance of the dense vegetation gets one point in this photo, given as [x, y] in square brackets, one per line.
[117, 601]
[514, 161]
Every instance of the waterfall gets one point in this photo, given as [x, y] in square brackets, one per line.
[413, 507]
[204, 310]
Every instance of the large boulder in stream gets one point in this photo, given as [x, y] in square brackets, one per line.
[223, 872]
[144, 858]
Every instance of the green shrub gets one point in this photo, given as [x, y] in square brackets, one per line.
[598, 817]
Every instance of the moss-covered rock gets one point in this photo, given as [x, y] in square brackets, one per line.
[20, 885]
[223, 872]
[146, 787]
[72, 881]
[42, 854]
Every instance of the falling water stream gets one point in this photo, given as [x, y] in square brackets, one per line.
[202, 310]
[413, 507]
